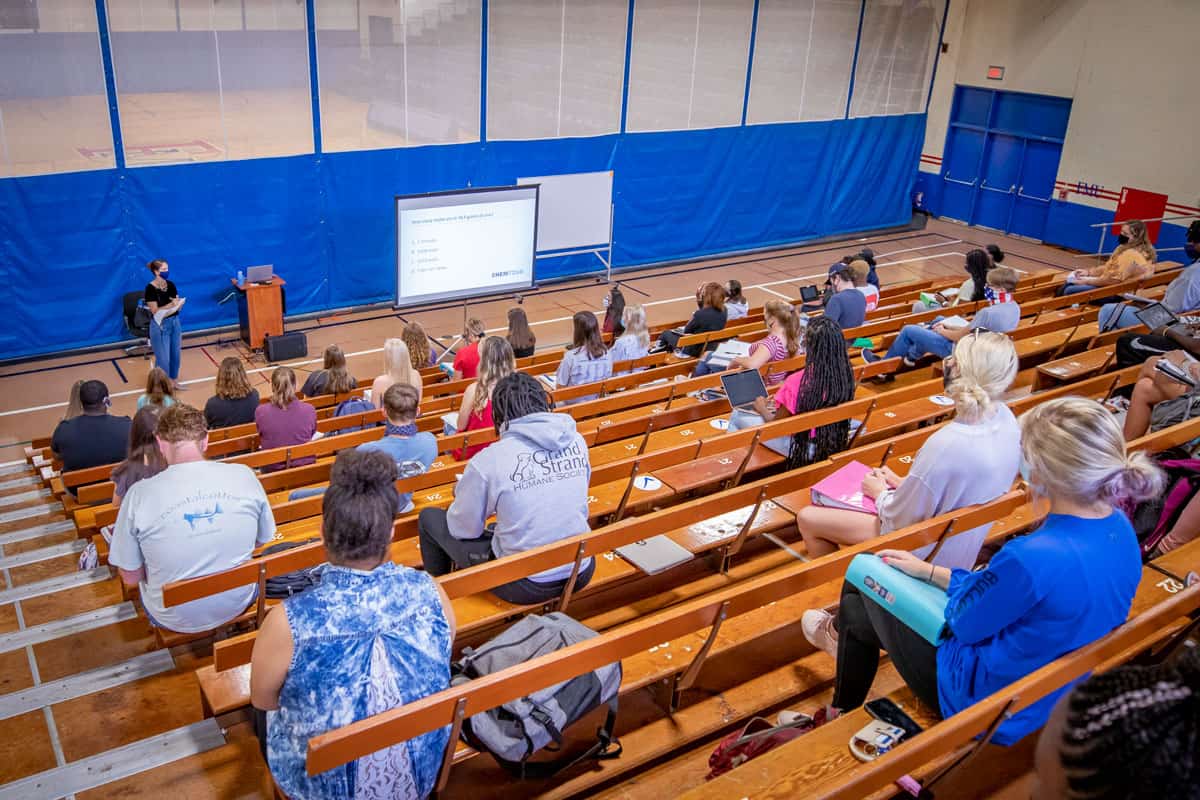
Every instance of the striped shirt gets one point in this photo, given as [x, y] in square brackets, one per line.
[778, 350]
[577, 367]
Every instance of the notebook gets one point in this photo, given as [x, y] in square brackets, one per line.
[727, 351]
[741, 388]
[954, 322]
[919, 605]
[450, 423]
[843, 489]
[654, 555]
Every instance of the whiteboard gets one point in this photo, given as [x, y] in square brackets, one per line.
[573, 210]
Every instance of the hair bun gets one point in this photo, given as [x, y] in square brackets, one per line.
[1139, 479]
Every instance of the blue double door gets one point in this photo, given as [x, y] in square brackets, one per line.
[1001, 159]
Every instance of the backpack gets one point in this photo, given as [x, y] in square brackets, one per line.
[291, 583]
[1152, 519]
[351, 406]
[516, 730]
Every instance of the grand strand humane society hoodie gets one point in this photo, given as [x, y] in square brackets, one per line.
[535, 480]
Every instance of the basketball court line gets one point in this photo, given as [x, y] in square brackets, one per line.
[374, 350]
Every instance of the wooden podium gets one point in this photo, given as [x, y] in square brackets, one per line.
[260, 310]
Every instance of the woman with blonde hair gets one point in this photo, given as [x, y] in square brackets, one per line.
[397, 368]
[419, 351]
[234, 401]
[782, 341]
[496, 360]
[1133, 259]
[160, 390]
[972, 459]
[634, 343]
[286, 420]
[332, 378]
[1043, 595]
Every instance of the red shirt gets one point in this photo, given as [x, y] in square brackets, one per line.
[480, 420]
[466, 361]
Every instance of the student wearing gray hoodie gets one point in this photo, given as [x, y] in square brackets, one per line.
[534, 479]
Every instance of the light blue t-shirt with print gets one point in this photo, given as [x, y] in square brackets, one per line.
[421, 449]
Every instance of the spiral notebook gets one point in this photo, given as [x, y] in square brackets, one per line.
[919, 605]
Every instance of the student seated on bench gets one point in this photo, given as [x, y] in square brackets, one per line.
[145, 459]
[397, 368]
[1133, 259]
[587, 360]
[826, 380]
[1182, 295]
[332, 378]
[977, 263]
[860, 270]
[534, 479]
[709, 317]
[782, 341]
[847, 306]
[95, 437]
[1159, 401]
[634, 342]
[194, 518]
[234, 400]
[917, 341]
[286, 420]
[1131, 732]
[371, 636]
[973, 459]
[1042, 596]
[496, 360]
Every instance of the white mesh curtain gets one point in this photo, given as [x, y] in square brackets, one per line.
[201, 80]
[53, 106]
[803, 55]
[688, 63]
[395, 73]
[555, 67]
[895, 57]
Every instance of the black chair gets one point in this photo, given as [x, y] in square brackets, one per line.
[138, 329]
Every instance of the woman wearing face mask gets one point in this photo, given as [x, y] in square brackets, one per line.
[1042, 595]
[165, 336]
[1132, 260]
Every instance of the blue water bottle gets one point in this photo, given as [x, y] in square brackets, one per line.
[241, 277]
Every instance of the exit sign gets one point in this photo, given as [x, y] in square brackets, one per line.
[995, 73]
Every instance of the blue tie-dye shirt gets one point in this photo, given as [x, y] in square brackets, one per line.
[364, 642]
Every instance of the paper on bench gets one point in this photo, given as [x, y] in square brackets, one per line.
[727, 525]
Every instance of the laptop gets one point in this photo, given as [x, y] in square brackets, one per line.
[741, 388]
[654, 555]
[262, 274]
[810, 294]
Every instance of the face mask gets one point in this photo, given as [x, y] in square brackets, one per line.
[607, 301]
[163, 274]
[1122, 239]
[1192, 251]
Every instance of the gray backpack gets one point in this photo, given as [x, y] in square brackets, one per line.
[515, 731]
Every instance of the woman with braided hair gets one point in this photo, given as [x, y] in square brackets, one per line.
[1129, 734]
[533, 480]
[825, 381]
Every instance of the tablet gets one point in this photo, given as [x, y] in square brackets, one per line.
[1155, 316]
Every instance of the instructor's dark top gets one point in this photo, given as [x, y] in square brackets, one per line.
[160, 296]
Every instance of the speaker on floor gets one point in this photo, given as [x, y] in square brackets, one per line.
[286, 346]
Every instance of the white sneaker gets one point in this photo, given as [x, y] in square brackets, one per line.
[817, 625]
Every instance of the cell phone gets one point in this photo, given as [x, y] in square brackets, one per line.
[885, 710]
[1175, 373]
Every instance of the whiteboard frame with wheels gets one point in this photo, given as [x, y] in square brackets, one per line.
[575, 215]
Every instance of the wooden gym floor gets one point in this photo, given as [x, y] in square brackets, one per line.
[85, 700]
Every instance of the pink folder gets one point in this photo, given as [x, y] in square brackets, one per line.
[843, 489]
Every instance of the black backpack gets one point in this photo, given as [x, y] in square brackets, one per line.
[292, 583]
